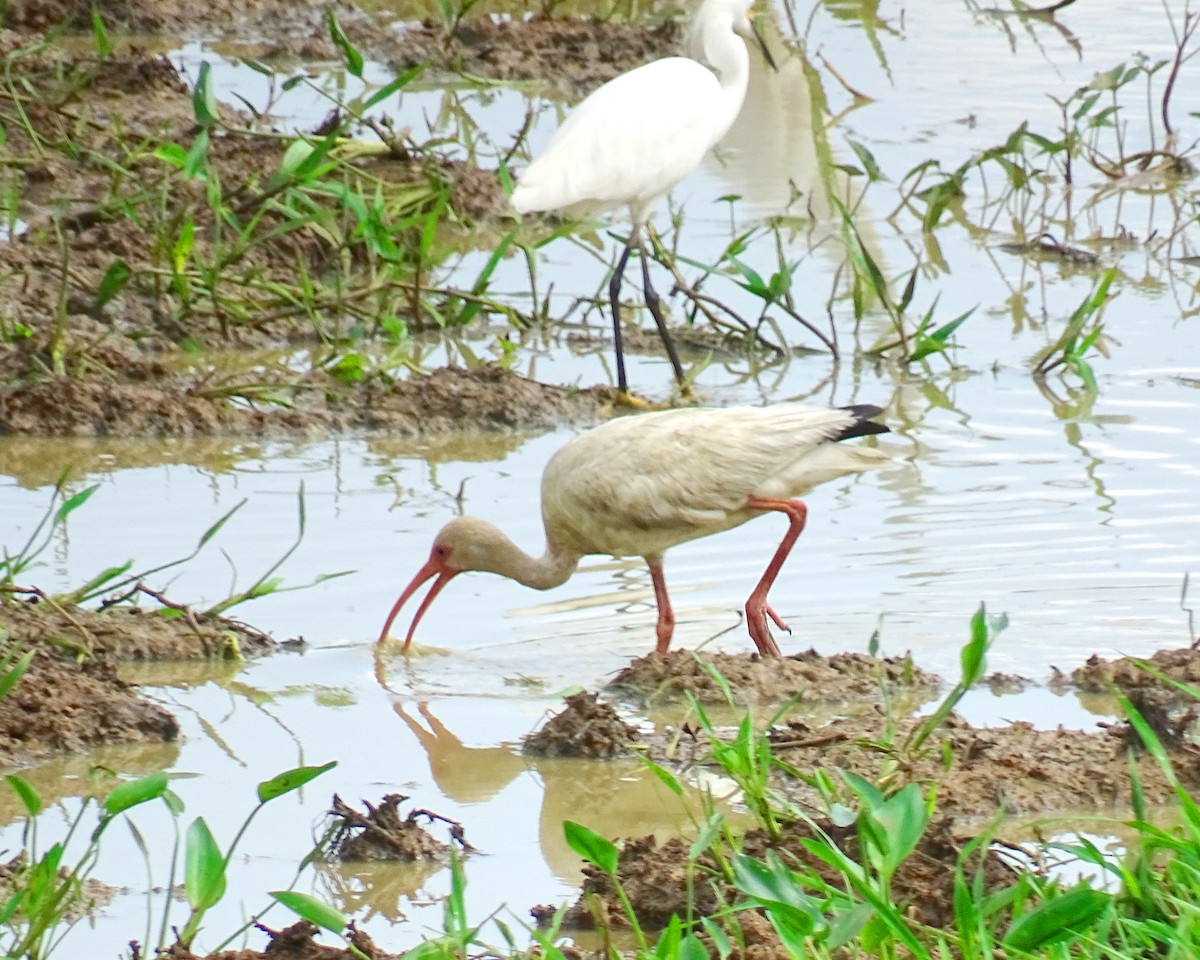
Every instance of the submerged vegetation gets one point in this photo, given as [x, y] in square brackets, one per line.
[177, 259]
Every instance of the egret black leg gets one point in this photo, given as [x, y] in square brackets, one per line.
[654, 305]
[614, 299]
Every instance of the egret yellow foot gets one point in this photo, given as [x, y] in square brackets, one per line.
[623, 398]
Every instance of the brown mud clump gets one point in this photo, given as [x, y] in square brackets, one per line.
[1127, 675]
[445, 401]
[587, 727]
[661, 880]
[70, 698]
[811, 676]
[64, 705]
[297, 942]
[977, 771]
[132, 633]
[1170, 712]
[579, 54]
[383, 833]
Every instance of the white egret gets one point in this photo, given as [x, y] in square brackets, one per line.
[633, 139]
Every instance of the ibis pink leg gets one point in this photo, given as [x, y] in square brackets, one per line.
[757, 608]
[666, 616]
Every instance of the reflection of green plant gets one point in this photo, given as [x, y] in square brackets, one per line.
[47, 892]
[117, 578]
[1082, 333]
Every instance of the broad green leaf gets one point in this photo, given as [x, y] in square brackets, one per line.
[12, 675]
[290, 780]
[399, 83]
[134, 792]
[204, 871]
[354, 59]
[74, 503]
[903, 818]
[171, 153]
[204, 101]
[666, 776]
[193, 162]
[594, 848]
[100, 34]
[1057, 920]
[668, 941]
[974, 654]
[28, 796]
[691, 948]
[113, 281]
[311, 909]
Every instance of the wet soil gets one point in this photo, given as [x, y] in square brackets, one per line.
[94, 151]
[810, 676]
[661, 880]
[571, 56]
[976, 771]
[586, 727]
[1128, 674]
[71, 698]
[446, 400]
[297, 942]
[63, 705]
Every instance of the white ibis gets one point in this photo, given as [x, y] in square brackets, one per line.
[632, 140]
[639, 485]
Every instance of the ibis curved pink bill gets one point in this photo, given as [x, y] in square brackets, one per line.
[639, 485]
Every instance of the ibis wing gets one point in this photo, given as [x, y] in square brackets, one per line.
[641, 484]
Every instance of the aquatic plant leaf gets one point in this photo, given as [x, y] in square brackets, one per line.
[290, 780]
[113, 281]
[10, 676]
[1057, 920]
[691, 948]
[668, 942]
[594, 848]
[903, 818]
[311, 909]
[354, 59]
[402, 81]
[134, 792]
[100, 34]
[204, 101]
[974, 654]
[666, 776]
[204, 871]
[74, 503]
[29, 797]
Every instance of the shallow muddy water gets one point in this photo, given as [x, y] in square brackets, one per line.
[1076, 517]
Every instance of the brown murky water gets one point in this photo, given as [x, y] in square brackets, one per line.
[1076, 516]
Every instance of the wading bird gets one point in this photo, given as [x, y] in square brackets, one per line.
[633, 139]
[639, 485]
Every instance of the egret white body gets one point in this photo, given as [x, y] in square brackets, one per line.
[633, 139]
[639, 485]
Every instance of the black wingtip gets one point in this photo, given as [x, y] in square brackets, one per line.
[864, 425]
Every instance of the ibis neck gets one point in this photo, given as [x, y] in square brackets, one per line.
[551, 569]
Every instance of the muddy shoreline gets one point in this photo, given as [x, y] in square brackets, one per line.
[103, 336]
[72, 698]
